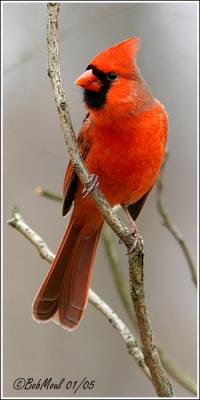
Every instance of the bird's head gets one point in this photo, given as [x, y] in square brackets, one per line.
[108, 80]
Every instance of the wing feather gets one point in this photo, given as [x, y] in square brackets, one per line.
[71, 179]
[134, 209]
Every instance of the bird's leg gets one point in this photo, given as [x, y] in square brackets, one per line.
[91, 185]
[130, 220]
[138, 240]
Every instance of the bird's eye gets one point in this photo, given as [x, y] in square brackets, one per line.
[111, 76]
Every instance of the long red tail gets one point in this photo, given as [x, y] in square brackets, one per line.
[65, 288]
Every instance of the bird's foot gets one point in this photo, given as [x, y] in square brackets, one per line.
[91, 185]
[138, 242]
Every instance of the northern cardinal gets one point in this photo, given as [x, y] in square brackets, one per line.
[122, 141]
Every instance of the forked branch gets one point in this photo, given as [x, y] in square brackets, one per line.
[21, 226]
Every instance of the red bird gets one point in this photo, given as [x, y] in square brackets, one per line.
[122, 142]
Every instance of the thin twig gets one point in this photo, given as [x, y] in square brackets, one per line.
[152, 360]
[45, 193]
[170, 226]
[20, 225]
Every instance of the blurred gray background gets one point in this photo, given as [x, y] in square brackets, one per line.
[35, 153]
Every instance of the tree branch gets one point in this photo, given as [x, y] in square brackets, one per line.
[168, 363]
[151, 357]
[21, 226]
[149, 349]
[170, 226]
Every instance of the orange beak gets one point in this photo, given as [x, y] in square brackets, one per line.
[89, 81]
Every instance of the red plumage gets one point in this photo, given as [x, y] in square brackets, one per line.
[122, 141]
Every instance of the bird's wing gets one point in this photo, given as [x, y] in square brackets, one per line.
[134, 209]
[71, 179]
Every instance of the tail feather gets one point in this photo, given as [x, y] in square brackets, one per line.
[46, 301]
[64, 291]
[75, 286]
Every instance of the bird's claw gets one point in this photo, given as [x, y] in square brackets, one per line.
[138, 242]
[91, 185]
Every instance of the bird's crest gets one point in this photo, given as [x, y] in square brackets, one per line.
[118, 57]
